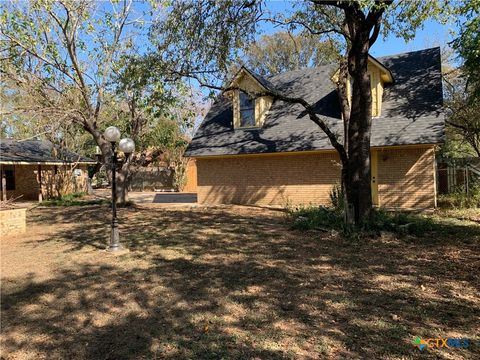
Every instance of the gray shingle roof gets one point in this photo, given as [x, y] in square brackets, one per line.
[36, 151]
[411, 111]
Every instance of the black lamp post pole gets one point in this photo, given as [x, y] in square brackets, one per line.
[114, 239]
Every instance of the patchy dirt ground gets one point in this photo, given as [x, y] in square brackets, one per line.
[232, 283]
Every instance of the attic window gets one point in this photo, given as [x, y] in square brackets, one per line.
[247, 111]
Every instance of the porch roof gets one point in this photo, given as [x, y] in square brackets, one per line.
[37, 152]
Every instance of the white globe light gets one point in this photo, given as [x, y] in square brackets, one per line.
[127, 145]
[112, 134]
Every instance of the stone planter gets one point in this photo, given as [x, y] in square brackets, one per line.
[12, 221]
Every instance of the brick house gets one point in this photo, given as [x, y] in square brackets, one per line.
[34, 169]
[265, 152]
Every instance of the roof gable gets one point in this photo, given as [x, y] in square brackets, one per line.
[243, 73]
[386, 74]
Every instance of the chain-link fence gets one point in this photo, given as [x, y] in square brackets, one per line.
[455, 178]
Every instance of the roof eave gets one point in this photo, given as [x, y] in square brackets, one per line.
[386, 71]
[25, 162]
[243, 69]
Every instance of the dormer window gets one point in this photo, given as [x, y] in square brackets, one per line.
[247, 110]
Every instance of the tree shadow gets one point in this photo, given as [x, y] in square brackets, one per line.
[237, 283]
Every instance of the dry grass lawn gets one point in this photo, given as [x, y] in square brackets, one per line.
[232, 283]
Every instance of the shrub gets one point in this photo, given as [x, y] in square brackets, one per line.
[73, 199]
[399, 222]
[337, 198]
[70, 197]
[307, 218]
[460, 199]
[323, 218]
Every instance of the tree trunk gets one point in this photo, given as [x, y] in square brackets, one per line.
[123, 180]
[358, 167]
[123, 172]
[357, 117]
[349, 214]
[106, 159]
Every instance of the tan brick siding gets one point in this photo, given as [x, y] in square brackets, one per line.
[63, 181]
[12, 221]
[26, 185]
[405, 176]
[268, 180]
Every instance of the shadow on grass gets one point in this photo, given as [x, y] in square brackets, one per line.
[216, 283]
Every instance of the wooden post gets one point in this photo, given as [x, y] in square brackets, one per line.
[40, 196]
[4, 184]
[466, 180]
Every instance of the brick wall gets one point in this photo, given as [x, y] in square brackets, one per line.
[27, 186]
[405, 178]
[12, 221]
[268, 180]
[62, 181]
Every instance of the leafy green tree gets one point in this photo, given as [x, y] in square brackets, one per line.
[463, 85]
[67, 61]
[284, 51]
[208, 36]
[171, 144]
[18, 124]
[467, 44]
[463, 122]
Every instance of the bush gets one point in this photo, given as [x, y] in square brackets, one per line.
[337, 198]
[399, 223]
[460, 200]
[308, 218]
[329, 218]
[73, 199]
[332, 218]
[72, 196]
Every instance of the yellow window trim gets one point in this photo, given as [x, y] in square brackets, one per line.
[262, 104]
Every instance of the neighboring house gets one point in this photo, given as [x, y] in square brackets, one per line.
[34, 169]
[259, 151]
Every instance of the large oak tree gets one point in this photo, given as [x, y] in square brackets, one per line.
[207, 36]
[463, 84]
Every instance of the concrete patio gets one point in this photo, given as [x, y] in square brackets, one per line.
[163, 198]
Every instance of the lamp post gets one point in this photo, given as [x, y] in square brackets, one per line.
[126, 145]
